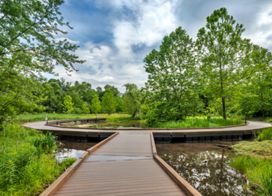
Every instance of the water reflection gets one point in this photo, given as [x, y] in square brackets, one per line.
[205, 166]
[71, 149]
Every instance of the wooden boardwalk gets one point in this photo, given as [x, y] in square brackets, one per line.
[127, 164]
[122, 166]
[251, 125]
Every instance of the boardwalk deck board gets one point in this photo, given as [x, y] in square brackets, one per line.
[123, 166]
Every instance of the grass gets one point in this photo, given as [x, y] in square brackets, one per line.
[124, 120]
[266, 134]
[254, 148]
[55, 116]
[200, 122]
[27, 161]
[254, 160]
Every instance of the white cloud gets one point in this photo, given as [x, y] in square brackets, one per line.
[104, 66]
[152, 20]
[261, 34]
[116, 63]
[134, 27]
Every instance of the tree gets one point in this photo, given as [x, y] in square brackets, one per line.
[257, 88]
[113, 89]
[108, 102]
[221, 51]
[172, 79]
[28, 36]
[132, 99]
[95, 104]
[30, 42]
[85, 108]
[68, 104]
[53, 91]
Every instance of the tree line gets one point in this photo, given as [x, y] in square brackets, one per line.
[64, 97]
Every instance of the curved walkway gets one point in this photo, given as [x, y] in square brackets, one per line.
[251, 125]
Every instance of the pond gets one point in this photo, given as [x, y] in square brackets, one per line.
[72, 149]
[206, 166]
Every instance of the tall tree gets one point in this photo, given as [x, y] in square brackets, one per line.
[95, 104]
[109, 102]
[222, 50]
[257, 88]
[31, 42]
[68, 104]
[85, 108]
[132, 99]
[172, 86]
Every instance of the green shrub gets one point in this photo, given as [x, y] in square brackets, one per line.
[266, 134]
[45, 143]
[199, 122]
[56, 116]
[27, 161]
[66, 163]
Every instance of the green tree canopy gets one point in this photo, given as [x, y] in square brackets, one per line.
[68, 104]
[109, 102]
[95, 104]
[31, 42]
[132, 99]
[172, 78]
[222, 52]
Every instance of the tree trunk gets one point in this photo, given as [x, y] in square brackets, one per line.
[222, 90]
[224, 108]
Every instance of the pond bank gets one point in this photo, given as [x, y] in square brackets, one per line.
[254, 160]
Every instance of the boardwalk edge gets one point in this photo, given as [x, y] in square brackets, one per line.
[181, 182]
[54, 187]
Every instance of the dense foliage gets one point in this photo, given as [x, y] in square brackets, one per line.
[220, 73]
[132, 100]
[172, 81]
[30, 43]
[63, 97]
[27, 161]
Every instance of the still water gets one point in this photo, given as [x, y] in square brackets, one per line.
[71, 149]
[206, 166]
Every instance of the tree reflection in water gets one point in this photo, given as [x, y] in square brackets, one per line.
[205, 166]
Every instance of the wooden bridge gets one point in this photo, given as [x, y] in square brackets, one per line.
[126, 163]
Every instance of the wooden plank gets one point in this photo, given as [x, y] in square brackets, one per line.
[153, 144]
[52, 189]
[139, 177]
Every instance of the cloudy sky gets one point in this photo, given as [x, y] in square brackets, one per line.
[115, 35]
